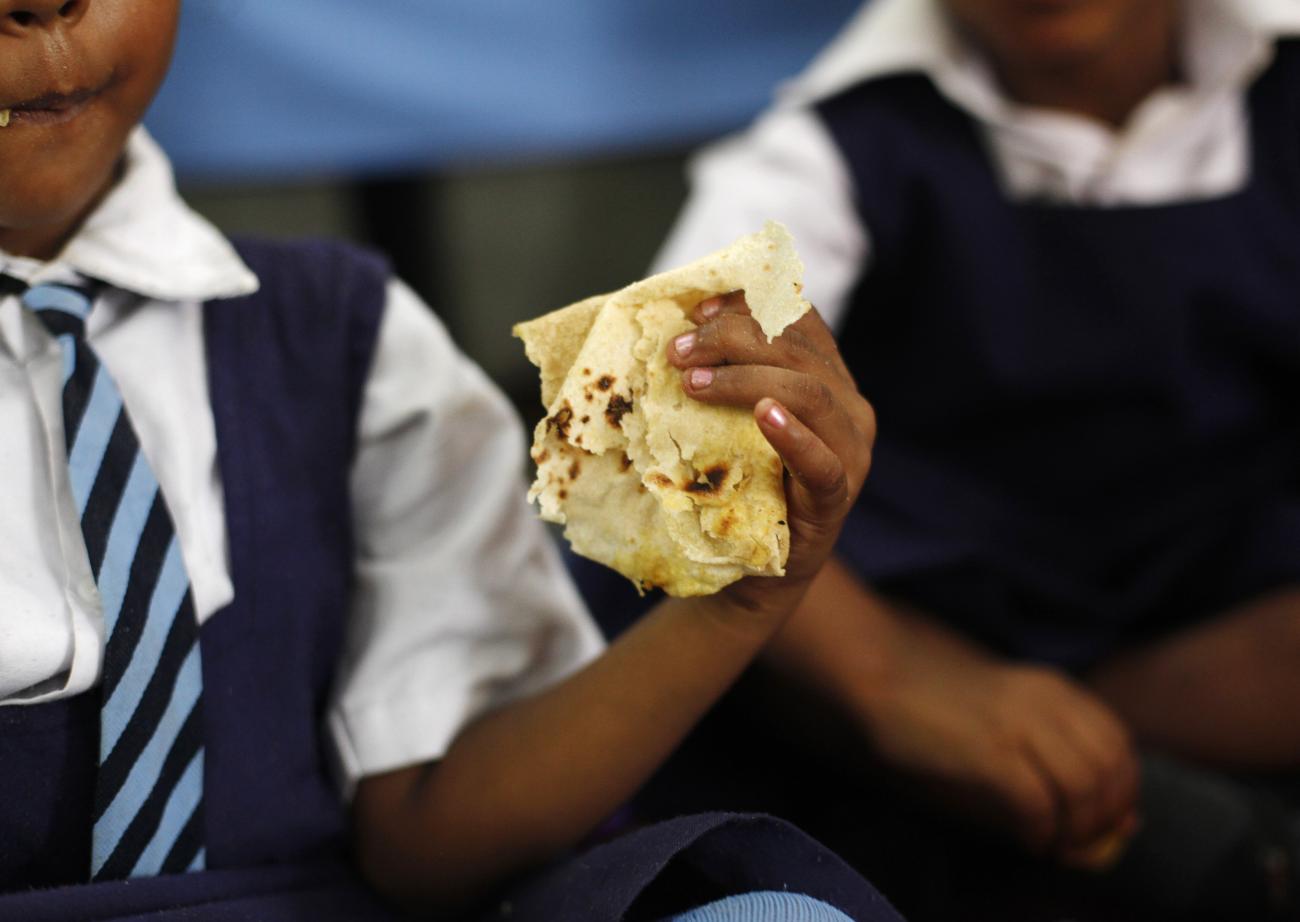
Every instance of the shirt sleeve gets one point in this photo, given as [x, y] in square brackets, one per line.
[787, 167]
[461, 602]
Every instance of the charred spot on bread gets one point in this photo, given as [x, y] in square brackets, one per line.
[617, 408]
[561, 420]
[710, 481]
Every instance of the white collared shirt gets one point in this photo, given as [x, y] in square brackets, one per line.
[1184, 142]
[461, 602]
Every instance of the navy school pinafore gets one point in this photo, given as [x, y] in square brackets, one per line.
[287, 368]
[1089, 417]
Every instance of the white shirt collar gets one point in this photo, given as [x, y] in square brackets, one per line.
[144, 239]
[1227, 43]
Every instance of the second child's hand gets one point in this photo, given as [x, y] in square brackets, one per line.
[1021, 748]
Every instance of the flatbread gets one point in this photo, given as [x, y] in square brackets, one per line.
[670, 492]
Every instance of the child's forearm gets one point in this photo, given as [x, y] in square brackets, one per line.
[532, 779]
[1224, 692]
[846, 644]
[840, 647]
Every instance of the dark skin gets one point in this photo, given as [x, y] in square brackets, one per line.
[1041, 755]
[534, 777]
[78, 77]
[1174, 695]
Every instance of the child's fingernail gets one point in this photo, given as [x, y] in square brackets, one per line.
[710, 307]
[701, 378]
[775, 417]
[684, 344]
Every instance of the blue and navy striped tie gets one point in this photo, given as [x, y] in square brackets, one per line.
[149, 787]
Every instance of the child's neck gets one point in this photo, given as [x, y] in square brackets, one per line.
[1108, 87]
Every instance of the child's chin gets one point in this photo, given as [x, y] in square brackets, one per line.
[1073, 31]
[49, 214]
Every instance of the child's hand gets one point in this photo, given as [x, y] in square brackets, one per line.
[806, 404]
[1022, 748]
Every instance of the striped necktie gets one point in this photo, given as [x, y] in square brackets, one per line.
[149, 786]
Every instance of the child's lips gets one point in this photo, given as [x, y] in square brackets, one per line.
[49, 108]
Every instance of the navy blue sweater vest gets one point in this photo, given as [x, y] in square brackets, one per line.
[1088, 416]
[286, 367]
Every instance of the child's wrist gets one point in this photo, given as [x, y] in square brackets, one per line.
[755, 607]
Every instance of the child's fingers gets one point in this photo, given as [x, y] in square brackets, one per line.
[1075, 784]
[1029, 805]
[728, 334]
[727, 340]
[1103, 853]
[733, 339]
[811, 323]
[1102, 739]
[811, 463]
[813, 401]
[812, 329]
[730, 303]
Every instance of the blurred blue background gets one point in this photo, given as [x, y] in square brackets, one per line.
[276, 88]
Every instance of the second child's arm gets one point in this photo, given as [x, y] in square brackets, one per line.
[1222, 692]
[531, 779]
[1018, 747]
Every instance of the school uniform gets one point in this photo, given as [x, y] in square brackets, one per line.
[346, 494]
[1079, 341]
